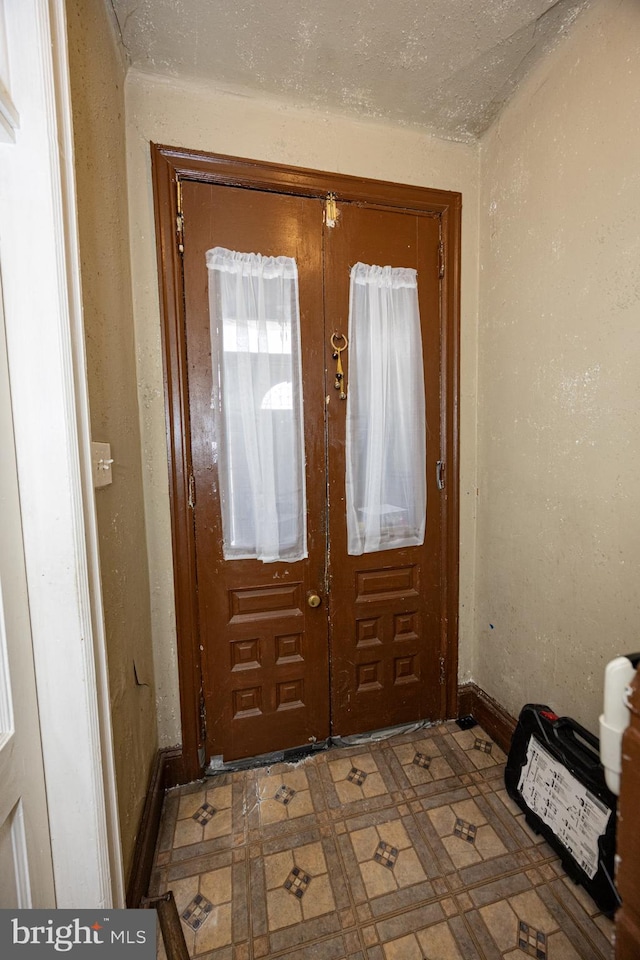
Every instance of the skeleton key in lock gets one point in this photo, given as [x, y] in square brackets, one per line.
[339, 383]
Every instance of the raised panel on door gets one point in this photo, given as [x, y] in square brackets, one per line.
[265, 659]
[385, 606]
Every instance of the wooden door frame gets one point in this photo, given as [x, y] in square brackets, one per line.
[171, 165]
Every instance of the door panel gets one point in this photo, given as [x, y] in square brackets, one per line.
[386, 606]
[265, 658]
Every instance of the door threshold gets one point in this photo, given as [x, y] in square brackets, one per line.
[293, 755]
[356, 739]
[299, 754]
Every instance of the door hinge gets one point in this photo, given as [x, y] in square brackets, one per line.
[440, 474]
[192, 491]
[179, 217]
[331, 212]
[441, 259]
[443, 672]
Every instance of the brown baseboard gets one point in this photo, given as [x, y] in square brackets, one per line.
[494, 719]
[466, 699]
[165, 764]
[174, 772]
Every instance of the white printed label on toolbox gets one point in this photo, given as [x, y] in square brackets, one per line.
[576, 817]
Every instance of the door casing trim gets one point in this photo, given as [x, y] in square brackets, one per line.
[170, 165]
[49, 397]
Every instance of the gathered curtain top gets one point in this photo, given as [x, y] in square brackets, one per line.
[251, 264]
[392, 277]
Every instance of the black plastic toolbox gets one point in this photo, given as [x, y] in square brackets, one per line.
[554, 775]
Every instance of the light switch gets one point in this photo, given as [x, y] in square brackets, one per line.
[101, 462]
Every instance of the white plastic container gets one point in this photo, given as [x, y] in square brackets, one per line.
[614, 721]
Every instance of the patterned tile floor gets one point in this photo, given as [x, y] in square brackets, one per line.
[404, 849]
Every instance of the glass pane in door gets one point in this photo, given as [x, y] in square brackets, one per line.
[257, 387]
[386, 489]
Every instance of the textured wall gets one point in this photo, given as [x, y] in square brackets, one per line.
[444, 67]
[193, 116]
[97, 79]
[559, 392]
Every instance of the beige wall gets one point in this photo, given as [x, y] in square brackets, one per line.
[97, 81]
[549, 390]
[192, 116]
[559, 373]
[549, 386]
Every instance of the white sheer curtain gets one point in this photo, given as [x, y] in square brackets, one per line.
[386, 487]
[257, 378]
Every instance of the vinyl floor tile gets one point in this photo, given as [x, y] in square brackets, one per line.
[407, 848]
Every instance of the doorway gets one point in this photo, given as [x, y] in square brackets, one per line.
[282, 654]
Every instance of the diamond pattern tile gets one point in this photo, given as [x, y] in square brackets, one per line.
[386, 855]
[357, 776]
[204, 814]
[422, 760]
[466, 831]
[533, 942]
[297, 882]
[285, 795]
[197, 911]
[484, 746]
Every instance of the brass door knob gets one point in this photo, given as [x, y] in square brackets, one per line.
[314, 600]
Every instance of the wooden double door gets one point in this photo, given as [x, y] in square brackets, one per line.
[277, 670]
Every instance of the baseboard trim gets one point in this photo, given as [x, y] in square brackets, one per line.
[162, 776]
[174, 771]
[492, 717]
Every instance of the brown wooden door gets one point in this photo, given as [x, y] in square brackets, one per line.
[265, 657]
[272, 665]
[385, 606]
[627, 941]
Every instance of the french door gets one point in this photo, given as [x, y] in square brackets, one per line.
[291, 652]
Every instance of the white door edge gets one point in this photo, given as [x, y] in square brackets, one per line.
[45, 338]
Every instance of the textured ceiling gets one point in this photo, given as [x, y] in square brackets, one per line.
[445, 65]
